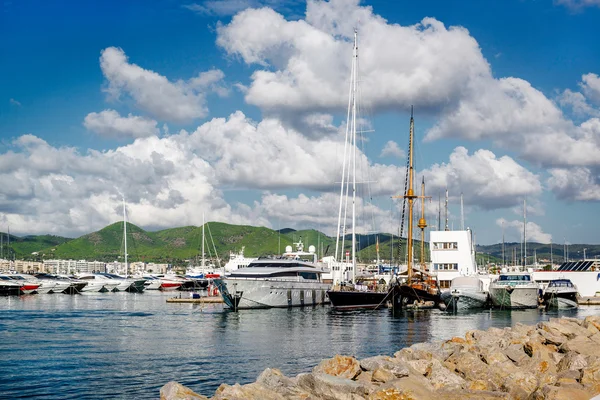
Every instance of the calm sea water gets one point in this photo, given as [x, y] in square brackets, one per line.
[123, 345]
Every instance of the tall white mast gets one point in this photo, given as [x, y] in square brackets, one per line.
[125, 237]
[202, 265]
[503, 257]
[525, 232]
[344, 181]
[354, 156]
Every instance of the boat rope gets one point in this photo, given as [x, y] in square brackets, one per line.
[384, 299]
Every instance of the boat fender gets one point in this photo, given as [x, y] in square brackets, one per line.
[215, 291]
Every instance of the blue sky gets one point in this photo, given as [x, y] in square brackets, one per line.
[235, 111]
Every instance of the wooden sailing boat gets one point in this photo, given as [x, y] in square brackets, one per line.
[349, 295]
[420, 289]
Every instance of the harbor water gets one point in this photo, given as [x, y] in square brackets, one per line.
[123, 345]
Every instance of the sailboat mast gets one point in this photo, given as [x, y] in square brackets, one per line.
[525, 232]
[422, 223]
[354, 156]
[202, 240]
[446, 210]
[503, 258]
[125, 237]
[410, 195]
[344, 181]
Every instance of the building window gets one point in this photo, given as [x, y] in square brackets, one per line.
[445, 267]
[445, 246]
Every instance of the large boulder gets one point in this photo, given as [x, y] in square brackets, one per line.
[394, 366]
[176, 391]
[407, 388]
[252, 391]
[274, 380]
[341, 366]
[440, 377]
[329, 387]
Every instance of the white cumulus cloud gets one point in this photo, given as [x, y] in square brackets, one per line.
[109, 123]
[180, 101]
[535, 232]
[391, 149]
[485, 180]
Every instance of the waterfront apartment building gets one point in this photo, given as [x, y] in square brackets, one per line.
[21, 266]
[73, 266]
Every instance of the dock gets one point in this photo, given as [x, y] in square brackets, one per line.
[588, 301]
[201, 300]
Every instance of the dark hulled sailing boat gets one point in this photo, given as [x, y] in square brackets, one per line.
[420, 289]
[349, 295]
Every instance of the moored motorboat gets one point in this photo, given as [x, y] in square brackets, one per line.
[270, 283]
[9, 287]
[25, 286]
[514, 290]
[466, 292]
[561, 294]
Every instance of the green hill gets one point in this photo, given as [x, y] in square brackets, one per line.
[179, 245]
[23, 247]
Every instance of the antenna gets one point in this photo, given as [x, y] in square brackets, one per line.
[462, 213]
[446, 207]
[439, 212]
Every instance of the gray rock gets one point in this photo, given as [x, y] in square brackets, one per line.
[329, 387]
[395, 366]
[516, 353]
[572, 361]
[176, 391]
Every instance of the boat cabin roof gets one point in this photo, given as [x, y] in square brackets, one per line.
[560, 283]
[514, 277]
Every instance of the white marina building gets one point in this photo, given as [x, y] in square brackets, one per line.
[452, 255]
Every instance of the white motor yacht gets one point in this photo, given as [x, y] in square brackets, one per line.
[514, 290]
[270, 283]
[97, 283]
[26, 287]
[466, 292]
[44, 286]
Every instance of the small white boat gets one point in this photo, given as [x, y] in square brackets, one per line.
[97, 283]
[466, 292]
[561, 294]
[43, 286]
[26, 287]
[161, 283]
[514, 290]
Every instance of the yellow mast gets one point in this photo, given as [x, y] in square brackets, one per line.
[410, 195]
[422, 223]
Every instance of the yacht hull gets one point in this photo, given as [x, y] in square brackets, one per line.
[353, 300]
[246, 293]
[514, 297]
[561, 301]
[464, 299]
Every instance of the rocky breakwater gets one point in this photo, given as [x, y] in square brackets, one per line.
[557, 359]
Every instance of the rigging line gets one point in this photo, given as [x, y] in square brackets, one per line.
[214, 247]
